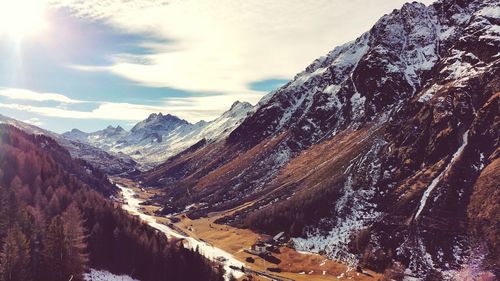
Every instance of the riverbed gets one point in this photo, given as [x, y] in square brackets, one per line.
[132, 204]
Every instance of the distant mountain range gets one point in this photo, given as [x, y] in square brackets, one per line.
[154, 140]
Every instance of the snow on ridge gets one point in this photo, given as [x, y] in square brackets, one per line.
[490, 12]
[158, 137]
[429, 93]
[342, 60]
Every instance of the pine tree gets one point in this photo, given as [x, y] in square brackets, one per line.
[54, 251]
[35, 239]
[4, 212]
[8, 210]
[75, 242]
[15, 256]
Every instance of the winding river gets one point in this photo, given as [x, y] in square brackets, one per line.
[133, 206]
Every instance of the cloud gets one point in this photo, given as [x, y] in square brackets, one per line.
[190, 108]
[224, 46]
[23, 94]
[34, 121]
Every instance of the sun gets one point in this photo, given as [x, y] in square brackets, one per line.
[21, 18]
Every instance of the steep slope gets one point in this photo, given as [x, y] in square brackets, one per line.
[417, 95]
[111, 163]
[155, 139]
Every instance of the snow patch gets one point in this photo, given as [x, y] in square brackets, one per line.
[353, 211]
[103, 275]
[490, 12]
[427, 95]
[358, 102]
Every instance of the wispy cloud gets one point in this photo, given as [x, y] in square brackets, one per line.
[34, 121]
[189, 108]
[24, 94]
[223, 46]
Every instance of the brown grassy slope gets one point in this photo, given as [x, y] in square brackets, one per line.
[242, 163]
[308, 184]
[322, 163]
[188, 165]
[483, 211]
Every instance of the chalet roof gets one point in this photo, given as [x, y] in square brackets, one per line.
[259, 243]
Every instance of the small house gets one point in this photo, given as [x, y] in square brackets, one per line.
[259, 248]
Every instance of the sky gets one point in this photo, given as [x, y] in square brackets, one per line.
[88, 64]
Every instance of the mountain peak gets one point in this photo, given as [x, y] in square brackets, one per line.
[75, 130]
[160, 122]
[235, 104]
[239, 104]
[162, 117]
[75, 133]
[153, 116]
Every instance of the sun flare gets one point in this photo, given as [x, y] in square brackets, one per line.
[21, 18]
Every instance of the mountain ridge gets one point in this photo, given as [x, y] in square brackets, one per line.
[160, 136]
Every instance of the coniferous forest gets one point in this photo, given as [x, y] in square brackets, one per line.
[56, 223]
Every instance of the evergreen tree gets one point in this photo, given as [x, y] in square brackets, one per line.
[75, 244]
[54, 251]
[15, 256]
[8, 209]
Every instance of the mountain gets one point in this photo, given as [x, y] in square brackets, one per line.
[382, 152]
[57, 221]
[111, 163]
[155, 139]
[106, 135]
[157, 124]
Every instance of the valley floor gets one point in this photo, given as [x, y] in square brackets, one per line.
[294, 265]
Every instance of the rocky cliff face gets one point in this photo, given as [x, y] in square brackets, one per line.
[377, 152]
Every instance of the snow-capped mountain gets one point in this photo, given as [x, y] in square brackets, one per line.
[155, 139]
[111, 163]
[382, 151]
[102, 138]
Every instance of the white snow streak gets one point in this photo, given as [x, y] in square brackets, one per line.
[436, 180]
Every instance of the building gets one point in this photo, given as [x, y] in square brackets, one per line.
[259, 248]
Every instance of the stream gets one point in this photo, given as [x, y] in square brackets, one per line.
[133, 206]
